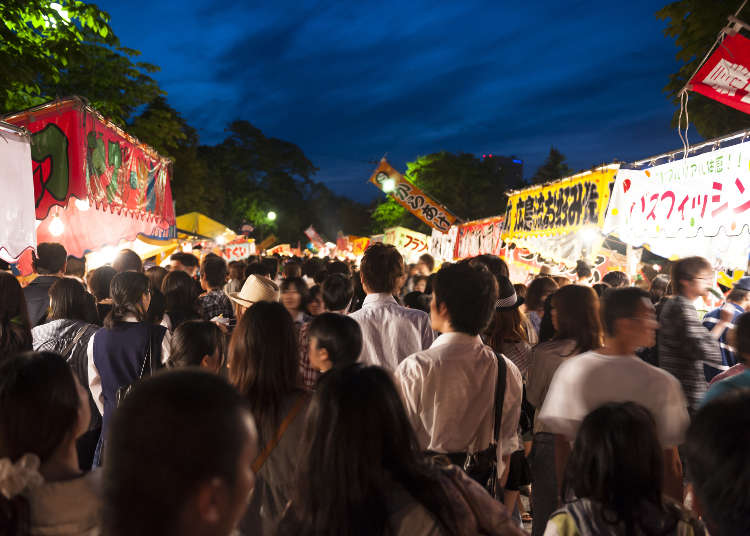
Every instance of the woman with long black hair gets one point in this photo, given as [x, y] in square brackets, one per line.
[126, 348]
[264, 368]
[615, 473]
[15, 328]
[362, 471]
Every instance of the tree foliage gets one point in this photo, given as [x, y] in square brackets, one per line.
[554, 167]
[50, 50]
[471, 188]
[695, 24]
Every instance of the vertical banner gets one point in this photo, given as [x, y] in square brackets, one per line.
[17, 232]
[412, 198]
[725, 77]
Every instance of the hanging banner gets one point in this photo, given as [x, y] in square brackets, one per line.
[479, 237]
[76, 152]
[17, 232]
[314, 237]
[559, 207]
[237, 252]
[443, 245]
[725, 77]
[412, 198]
[410, 244]
[703, 198]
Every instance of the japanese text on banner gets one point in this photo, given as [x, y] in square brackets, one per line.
[412, 198]
[559, 207]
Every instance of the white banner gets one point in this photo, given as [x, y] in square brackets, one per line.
[237, 252]
[442, 245]
[17, 210]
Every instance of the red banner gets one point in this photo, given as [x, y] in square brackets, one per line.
[76, 152]
[725, 77]
[479, 238]
[314, 237]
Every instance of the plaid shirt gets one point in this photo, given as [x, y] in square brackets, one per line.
[215, 303]
[307, 372]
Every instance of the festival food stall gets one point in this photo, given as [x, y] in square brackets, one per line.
[559, 223]
[94, 184]
[677, 207]
[18, 232]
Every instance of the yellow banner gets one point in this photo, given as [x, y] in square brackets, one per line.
[412, 198]
[559, 207]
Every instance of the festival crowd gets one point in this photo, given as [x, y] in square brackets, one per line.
[315, 397]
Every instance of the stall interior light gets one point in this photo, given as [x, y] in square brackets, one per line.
[82, 204]
[588, 236]
[187, 247]
[220, 240]
[56, 226]
[389, 185]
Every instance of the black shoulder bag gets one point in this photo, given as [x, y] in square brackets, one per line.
[153, 366]
[482, 465]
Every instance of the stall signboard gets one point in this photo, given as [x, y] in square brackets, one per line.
[18, 232]
[725, 77]
[443, 245]
[559, 207]
[237, 252]
[410, 244]
[75, 152]
[479, 237]
[412, 198]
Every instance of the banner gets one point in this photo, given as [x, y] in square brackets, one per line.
[443, 245]
[314, 237]
[410, 244]
[17, 232]
[559, 207]
[725, 77]
[412, 198]
[697, 204]
[237, 252]
[267, 242]
[76, 152]
[479, 237]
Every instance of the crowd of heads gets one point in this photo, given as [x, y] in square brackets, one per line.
[181, 445]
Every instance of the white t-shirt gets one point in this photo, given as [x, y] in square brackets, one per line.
[587, 381]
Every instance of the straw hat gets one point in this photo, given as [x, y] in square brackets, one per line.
[256, 288]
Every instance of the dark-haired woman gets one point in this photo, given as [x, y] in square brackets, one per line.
[380, 482]
[314, 305]
[536, 294]
[98, 282]
[197, 343]
[71, 323]
[123, 351]
[15, 329]
[615, 473]
[43, 410]
[181, 299]
[294, 294]
[574, 312]
[264, 367]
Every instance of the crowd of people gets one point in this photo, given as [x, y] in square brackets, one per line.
[317, 397]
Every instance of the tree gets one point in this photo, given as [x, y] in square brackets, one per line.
[52, 49]
[469, 187]
[554, 167]
[695, 24]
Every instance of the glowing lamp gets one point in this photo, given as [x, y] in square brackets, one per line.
[271, 215]
[389, 185]
[82, 204]
[56, 226]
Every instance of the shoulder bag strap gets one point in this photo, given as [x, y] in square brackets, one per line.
[263, 456]
[502, 372]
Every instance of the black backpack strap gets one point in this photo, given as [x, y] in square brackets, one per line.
[502, 373]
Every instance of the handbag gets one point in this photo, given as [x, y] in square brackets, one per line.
[482, 465]
[148, 357]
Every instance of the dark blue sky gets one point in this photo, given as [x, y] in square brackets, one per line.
[350, 81]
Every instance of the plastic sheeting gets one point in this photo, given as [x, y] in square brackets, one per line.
[17, 231]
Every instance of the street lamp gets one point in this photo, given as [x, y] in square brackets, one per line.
[389, 185]
[271, 215]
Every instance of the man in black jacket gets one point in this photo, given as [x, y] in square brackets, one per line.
[49, 262]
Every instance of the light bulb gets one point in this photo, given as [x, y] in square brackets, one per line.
[389, 185]
[271, 215]
[56, 226]
[82, 204]
[220, 240]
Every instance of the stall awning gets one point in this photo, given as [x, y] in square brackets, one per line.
[195, 224]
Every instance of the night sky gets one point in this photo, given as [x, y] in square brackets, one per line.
[350, 81]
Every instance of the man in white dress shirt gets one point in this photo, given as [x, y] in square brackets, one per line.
[449, 389]
[390, 332]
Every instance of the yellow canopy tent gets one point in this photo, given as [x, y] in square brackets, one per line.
[195, 224]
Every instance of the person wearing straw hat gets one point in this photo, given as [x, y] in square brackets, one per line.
[256, 288]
